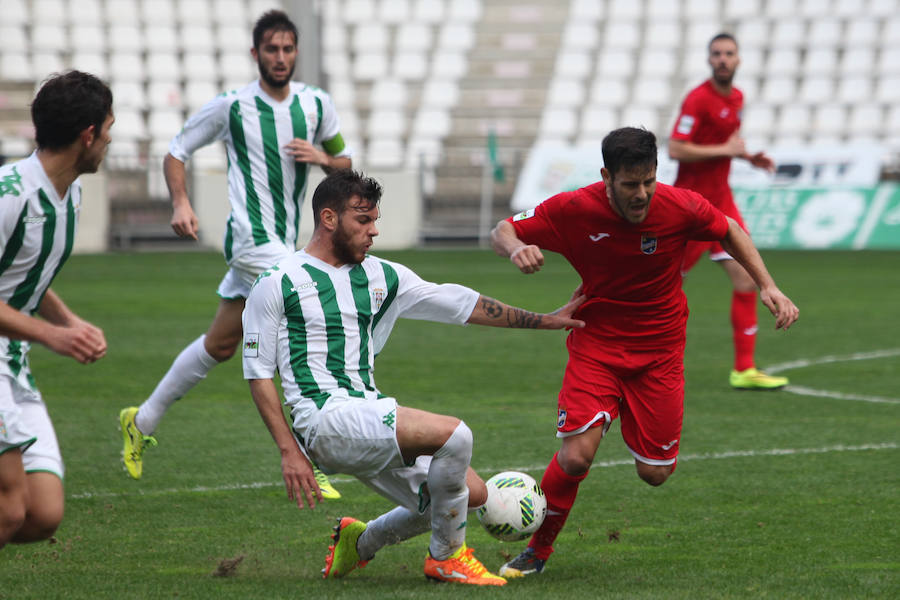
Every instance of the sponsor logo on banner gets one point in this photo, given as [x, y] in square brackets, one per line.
[251, 345]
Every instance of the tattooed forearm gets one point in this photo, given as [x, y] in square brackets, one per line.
[492, 308]
[518, 318]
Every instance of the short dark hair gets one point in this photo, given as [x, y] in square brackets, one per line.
[339, 186]
[273, 20]
[628, 147]
[722, 35]
[66, 105]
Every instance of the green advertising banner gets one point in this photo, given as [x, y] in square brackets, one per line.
[822, 218]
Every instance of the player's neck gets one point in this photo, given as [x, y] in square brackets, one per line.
[59, 168]
[279, 94]
[723, 89]
[320, 247]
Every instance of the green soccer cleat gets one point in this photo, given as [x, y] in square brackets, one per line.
[134, 442]
[325, 486]
[343, 556]
[754, 379]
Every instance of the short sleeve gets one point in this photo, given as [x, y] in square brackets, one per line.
[207, 125]
[688, 119]
[261, 319]
[542, 225]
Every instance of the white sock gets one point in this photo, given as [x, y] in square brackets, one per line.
[186, 371]
[392, 527]
[449, 493]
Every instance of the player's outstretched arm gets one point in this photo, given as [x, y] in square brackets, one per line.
[299, 480]
[739, 245]
[494, 313]
[184, 220]
[527, 257]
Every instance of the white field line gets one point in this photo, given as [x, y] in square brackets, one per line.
[824, 360]
[531, 468]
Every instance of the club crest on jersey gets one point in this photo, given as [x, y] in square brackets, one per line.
[251, 345]
[648, 243]
[378, 295]
[560, 418]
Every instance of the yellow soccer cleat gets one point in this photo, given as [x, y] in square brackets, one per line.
[754, 379]
[134, 442]
[460, 567]
[343, 556]
[325, 486]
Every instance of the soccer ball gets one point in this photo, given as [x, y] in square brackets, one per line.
[515, 506]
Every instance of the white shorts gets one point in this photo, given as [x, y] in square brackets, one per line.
[244, 269]
[358, 437]
[25, 423]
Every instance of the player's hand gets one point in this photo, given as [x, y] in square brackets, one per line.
[734, 145]
[761, 160]
[528, 258]
[299, 479]
[80, 340]
[565, 312]
[785, 312]
[184, 221]
[303, 151]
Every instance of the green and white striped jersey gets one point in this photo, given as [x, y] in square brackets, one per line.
[266, 186]
[37, 229]
[321, 326]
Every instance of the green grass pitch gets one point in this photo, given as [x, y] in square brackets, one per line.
[777, 494]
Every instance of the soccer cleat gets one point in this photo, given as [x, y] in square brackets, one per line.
[524, 564]
[325, 486]
[343, 556]
[460, 567]
[134, 442]
[754, 379]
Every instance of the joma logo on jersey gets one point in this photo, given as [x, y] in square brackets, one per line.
[648, 243]
[304, 286]
[39, 220]
[251, 345]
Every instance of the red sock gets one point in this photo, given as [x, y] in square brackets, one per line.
[743, 326]
[560, 489]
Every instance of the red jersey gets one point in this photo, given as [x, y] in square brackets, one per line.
[631, 271]
[707, 117]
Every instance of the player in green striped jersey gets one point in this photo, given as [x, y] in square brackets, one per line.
[319, 318]
[40, 199]
[274, 130]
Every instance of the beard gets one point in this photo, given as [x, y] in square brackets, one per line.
[343, 250]
[270, 79]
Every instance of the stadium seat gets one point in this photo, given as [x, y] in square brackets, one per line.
[369, 37]
[579, 35]
[607, 92]
[126, 66]
[193, 11]
[163, 66]
[811, 9]
[394, 12]
[126, 95]
[888, 89]
[49, 37]
[558, 123]
[573, 64]
[158, 12]
[741, 9]
[230, 12]
[587, 11]
[387, 122]
[825, 32]
[848, 8]
[87, 38]
[414, 37]
[125, 38]
[196, 37]
[700, 32]
[753, 33]
[641, 116]
[700, 9]
[200, 66]
[615, 63]
[857, 61]
[350, 127]
[91, 62]
[429, 11]
[889, 61]
[752, 62]
[465, 11]
[860, 31]
[820, 61]
[15, 12]
[890, 32]
[652, 92]
[758, 120]
[129, 125]
[46, 62]
[410, 66]
[793, 120]
[234, 38]
[597, 122]
[440, 93]
[161, 38]
[663, 34]
[427, 152]
[657, 63]
[882, 8]
[782, 61]
[816, 89]
[854, 89]
[778, 89]
[47, 12]
[449, 64]
[866, 118]
[163, 124]
[431, 123]
[164, 94]
[122, 12]
[237, 66]
[624, 10]
[384, 153]
[13, 39]
[788, 33]
[567, 93]
[343, 93]
[388, 93]
[336, 63]
[892, 123]
[456, 36]
[622, 35]
[829, 119]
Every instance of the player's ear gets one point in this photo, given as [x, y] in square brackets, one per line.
[328, 218]
[88, 135]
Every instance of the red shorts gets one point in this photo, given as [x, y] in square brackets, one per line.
[695, 249]
[644, 388]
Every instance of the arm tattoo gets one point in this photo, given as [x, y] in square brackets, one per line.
[492, 308]
[523, 319]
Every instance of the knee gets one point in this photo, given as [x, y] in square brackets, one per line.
[12, 517]
[654, 475]
[223, 350]
[575, 464]
[477, 493]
